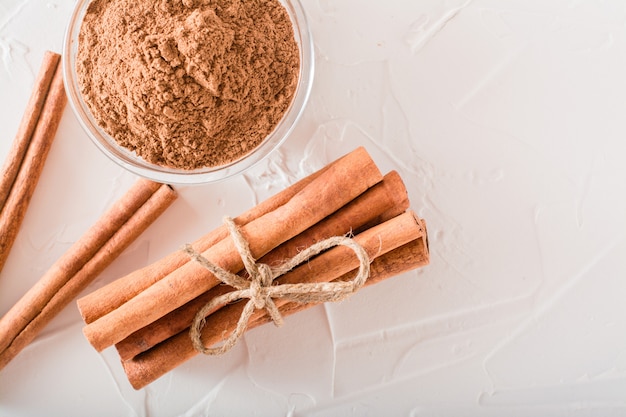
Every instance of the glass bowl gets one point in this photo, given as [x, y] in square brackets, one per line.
[130, 161]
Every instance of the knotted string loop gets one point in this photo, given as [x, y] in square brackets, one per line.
[261, 292]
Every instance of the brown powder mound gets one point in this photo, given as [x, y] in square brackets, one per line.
[187, 83]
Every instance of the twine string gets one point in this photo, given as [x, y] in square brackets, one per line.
[260, 292]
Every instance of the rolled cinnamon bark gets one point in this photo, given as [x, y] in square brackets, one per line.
[85, 259]
[27, 126]
[377, 241]
[323, 196]
[378, 204]
[25, 181]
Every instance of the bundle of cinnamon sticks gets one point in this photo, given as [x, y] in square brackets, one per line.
[147, 314]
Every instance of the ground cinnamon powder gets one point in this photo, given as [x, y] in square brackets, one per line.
[187, 83]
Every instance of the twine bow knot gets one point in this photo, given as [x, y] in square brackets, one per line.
[261, 292]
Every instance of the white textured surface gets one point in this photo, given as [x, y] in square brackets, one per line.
[507, 121]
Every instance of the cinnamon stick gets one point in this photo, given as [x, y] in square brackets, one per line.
[26, 161]
[378, 204]
[109, 297]
[27, 126]
[85, 259]
[407, 257]
[323, 196]
[405, 231]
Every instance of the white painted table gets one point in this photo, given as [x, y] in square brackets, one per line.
[507, 120]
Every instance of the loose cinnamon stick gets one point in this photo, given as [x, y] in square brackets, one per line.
[378, 204]
[405, 231]
[109, 297]
[23, 185]
[323, 196]
[85, 259]
[27, 125]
